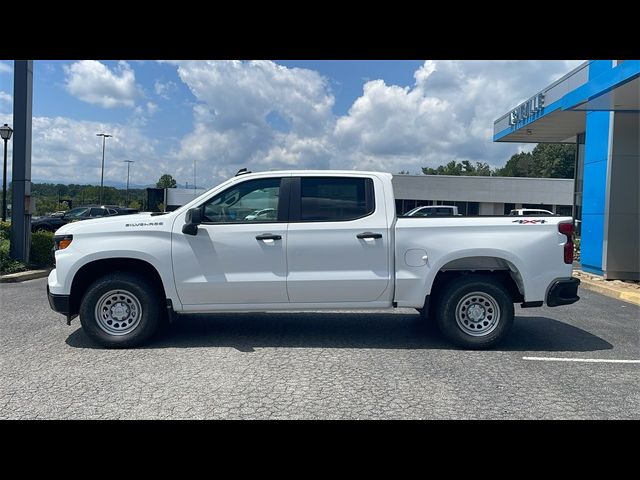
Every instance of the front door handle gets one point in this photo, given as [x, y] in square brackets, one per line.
[268, 236]
[366, 235]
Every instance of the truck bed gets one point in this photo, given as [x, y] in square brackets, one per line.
[532, 249]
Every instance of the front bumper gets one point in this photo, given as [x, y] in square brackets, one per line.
[563, 292]
[61, 304]
[58, 303]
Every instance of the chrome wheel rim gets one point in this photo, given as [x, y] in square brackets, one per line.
[477, 314]
[118, 312]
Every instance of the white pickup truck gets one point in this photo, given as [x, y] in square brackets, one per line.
[307, 240]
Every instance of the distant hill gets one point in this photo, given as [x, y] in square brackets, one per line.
[107, 183]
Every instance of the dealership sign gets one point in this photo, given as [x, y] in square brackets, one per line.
[526, 109]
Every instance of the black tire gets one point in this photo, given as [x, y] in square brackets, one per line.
[123, 290]
[475, 312]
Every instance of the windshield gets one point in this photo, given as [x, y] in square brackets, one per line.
[76, 212]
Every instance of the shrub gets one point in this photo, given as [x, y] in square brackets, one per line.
[41, 246]
[5, 230]
[576, 249]
[7, 264]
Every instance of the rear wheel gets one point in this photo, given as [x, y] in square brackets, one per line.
[475, 311]
[121, 310]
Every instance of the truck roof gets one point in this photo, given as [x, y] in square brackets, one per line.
[320, 172]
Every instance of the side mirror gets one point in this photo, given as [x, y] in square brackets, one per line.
[194, 218]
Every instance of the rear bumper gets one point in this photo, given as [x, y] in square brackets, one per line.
[563, 292]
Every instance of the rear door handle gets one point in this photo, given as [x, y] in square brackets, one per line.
[268, 236]
[365, 235]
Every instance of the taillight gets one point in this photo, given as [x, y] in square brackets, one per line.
[566, 228]
[60, 242]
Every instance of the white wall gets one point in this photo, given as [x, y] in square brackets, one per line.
[553, 191]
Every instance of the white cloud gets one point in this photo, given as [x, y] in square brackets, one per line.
[6, 68]
[446, 115]
[231, 120]
[164, 89]
[142, 113]
[152, 108]
[67, 150]
[93, 82]
[6, 101]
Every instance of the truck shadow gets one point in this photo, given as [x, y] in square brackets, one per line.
[247, 331]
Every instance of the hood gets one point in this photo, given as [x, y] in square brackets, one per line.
[141, 221]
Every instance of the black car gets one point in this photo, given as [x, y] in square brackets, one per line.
[51, 223]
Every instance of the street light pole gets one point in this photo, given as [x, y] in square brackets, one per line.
[104, 137]
[5, 132]
[128, 162]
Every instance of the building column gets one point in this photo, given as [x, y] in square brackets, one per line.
[594, 186]
[621, 243]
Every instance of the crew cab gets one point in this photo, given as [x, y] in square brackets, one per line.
[334, 242]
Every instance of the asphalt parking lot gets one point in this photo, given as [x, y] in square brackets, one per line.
[373, 365]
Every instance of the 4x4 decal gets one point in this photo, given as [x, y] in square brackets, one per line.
[529, 221]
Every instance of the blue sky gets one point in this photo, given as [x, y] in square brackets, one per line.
[380, 115]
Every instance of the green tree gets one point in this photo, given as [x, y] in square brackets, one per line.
[546, 160]
[166, 181]
[464, 168]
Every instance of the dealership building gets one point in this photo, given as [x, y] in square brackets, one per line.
[483, 195]
[597, 107]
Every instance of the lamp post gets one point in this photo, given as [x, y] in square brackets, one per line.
[5, 133]
[128, 162]
[104, 137]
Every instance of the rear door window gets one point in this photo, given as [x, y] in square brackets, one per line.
[333, 199]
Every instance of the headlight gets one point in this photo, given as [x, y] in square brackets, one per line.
[60, 242]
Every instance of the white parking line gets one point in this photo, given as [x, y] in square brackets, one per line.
[585, 360]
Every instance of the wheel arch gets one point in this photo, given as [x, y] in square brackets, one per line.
[499, 267]
[90, 271]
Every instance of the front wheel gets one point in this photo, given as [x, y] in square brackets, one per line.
[475, 312]
[121, 310]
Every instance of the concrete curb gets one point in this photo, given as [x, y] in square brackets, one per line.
[602, 288]
[23, 276]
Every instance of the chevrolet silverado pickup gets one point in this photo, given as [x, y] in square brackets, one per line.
[307, 240]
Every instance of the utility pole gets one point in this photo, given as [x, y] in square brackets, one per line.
[5, 133]
[128, 162]
[104, 137]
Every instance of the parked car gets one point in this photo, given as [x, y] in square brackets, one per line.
[434, 211]
[51, 223]
[263, 214]
[334, 244]
[529, 212]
